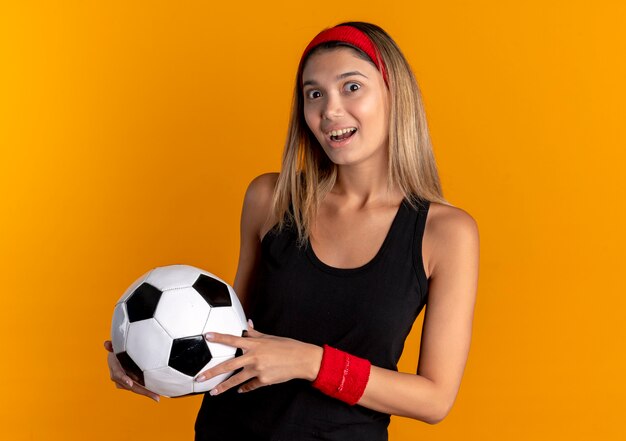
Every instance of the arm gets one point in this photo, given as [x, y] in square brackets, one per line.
[429, 395]
[256, 219]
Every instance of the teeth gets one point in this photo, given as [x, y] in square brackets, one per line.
[342, 131]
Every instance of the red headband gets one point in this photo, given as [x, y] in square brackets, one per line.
[352, 36]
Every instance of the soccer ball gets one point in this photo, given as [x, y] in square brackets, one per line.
[158, 326]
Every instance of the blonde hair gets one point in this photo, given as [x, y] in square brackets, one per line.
[307, 174]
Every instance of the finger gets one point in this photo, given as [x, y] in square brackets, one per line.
[138, 389]
[227, 339]
[122, 380]
[118, 374]
[123, 385]
[231, 382]
[250, 324]
[251, 385]
[108, 345]
[222, 368]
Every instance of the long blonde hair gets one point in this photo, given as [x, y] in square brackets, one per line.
[307, 174]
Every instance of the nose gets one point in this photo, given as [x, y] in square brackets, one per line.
[332, 107]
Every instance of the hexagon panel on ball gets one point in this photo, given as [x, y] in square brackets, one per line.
[148, 344]
[182, 312]
[224, 321]
[173, 276]
[168, 382]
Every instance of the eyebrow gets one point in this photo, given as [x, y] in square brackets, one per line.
[339, 77]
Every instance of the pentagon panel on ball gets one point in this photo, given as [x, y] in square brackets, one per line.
[159, 324]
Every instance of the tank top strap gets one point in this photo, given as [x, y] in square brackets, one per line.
[418, 257]
[403, 246]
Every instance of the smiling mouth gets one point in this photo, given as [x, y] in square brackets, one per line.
[340, 135]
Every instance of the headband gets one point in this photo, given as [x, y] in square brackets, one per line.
[352, 36]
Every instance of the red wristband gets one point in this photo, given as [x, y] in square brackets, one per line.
[342, 376]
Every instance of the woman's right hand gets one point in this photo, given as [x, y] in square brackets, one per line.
[119, 377]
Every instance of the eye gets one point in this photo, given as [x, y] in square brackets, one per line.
[352, 87]
[313, 93]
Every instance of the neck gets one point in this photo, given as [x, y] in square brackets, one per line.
[363, 185]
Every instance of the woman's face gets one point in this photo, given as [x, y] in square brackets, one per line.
[346, 106]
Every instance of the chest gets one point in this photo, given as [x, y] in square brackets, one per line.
[350, 239]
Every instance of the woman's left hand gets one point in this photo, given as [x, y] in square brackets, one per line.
[266, 360]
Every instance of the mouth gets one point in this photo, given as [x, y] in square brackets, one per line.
[341, 134]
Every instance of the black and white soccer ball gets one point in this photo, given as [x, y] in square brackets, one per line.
[158, 326]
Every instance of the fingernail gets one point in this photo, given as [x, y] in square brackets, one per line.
[200, 378]
[209, 336]
[130, 383]
[213, 392]
[240, 390]
[250, 323]
[155, 399]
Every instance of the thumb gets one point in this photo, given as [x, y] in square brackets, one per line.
[108, 345]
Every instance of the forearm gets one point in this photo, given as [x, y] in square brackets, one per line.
[392, 392]
[403, 394]
[270, 360]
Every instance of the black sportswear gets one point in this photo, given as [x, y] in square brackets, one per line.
[366, 311]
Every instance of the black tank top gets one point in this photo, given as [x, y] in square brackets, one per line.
[366, 311]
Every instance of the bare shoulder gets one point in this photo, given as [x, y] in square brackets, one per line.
[442, 217]
[257, 204]
[448, 230]
[261, 187]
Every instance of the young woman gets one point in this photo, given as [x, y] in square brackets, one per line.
[339, 254]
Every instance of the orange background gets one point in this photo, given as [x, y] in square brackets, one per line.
[130, 130]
